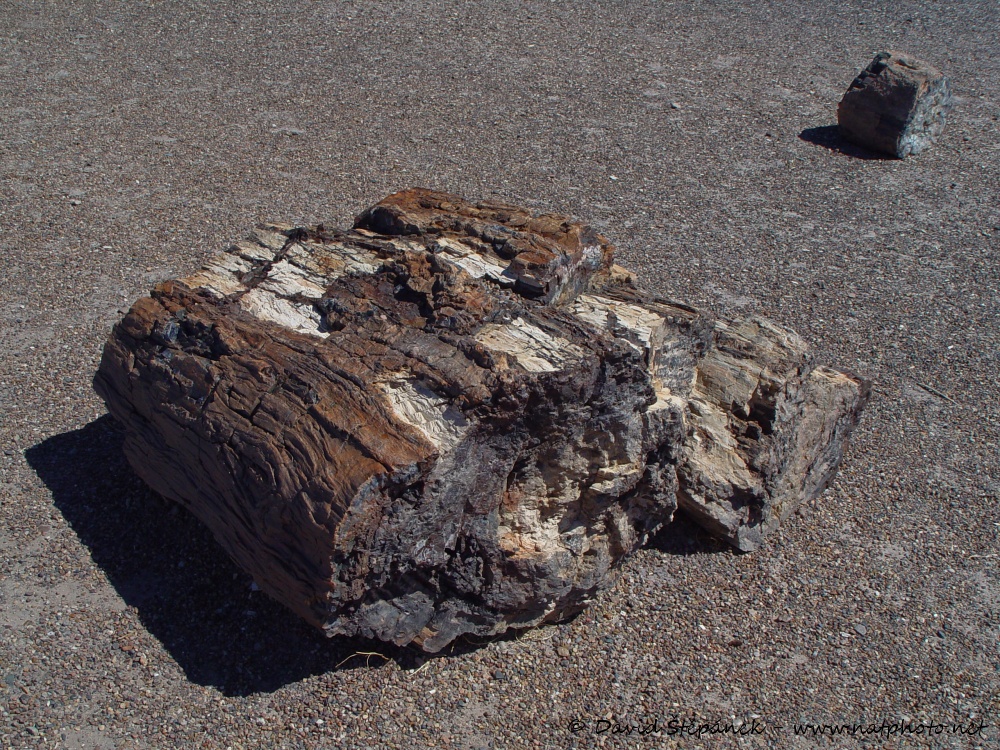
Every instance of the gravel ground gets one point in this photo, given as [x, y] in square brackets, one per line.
[138, 138]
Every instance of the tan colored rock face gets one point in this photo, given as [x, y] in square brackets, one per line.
[458, 418]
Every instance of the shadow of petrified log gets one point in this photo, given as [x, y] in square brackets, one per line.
[458, 418]
[189, 594]
[185, 589]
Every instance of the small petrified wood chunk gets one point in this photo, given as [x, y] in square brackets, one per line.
[458, 418]
[897, 105]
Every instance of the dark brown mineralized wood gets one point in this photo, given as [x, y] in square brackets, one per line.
[897, 105]
[458, 418]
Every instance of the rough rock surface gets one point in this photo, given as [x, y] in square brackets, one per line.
[458, 418]
[897, 105]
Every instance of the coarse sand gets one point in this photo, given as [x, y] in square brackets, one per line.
[137, 139]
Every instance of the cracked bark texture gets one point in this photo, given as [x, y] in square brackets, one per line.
[458, 417]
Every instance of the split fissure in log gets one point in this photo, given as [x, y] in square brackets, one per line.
[458, 418]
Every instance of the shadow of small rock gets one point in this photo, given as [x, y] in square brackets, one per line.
[829, 137]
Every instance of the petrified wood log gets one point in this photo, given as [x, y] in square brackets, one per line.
[897, 105]
[458, 418]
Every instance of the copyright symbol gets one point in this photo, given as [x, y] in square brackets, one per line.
[577, 726]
